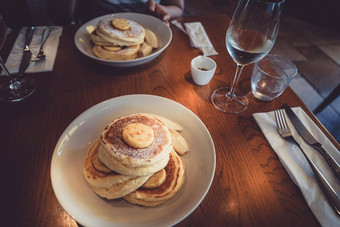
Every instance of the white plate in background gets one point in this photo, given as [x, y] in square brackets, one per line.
[163, 32]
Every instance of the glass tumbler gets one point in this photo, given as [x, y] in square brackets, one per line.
[271, 76]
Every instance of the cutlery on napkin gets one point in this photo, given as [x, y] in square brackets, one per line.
[198, 36]
[50, 49]
[308, 137]
[297, 166]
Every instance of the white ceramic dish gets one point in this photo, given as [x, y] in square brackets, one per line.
[89, 209]
[163, 32]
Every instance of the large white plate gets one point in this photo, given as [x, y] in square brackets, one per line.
[162, 31]
[89, 209]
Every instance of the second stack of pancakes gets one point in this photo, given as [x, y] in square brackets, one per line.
[134, 159]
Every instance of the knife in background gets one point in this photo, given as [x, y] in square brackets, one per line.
[26, 58]
[304, 133]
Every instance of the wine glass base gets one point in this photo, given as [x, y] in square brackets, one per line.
[229, 103]
[17, 90]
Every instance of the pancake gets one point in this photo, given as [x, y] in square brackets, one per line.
[155, 180]
[118, 167]
[113, 146]
[132, 36]
[172, 184]
[120, 190]
[99, 41]
[98, 165]
[126, 53]
[108, 185]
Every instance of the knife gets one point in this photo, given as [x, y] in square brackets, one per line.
[26, 58]
[304, 133]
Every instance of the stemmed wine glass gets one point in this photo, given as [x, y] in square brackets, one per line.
[15, 88]
[250, 36]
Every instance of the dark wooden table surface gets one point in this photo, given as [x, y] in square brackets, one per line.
[250, 187]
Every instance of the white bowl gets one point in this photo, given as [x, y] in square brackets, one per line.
[163, 32]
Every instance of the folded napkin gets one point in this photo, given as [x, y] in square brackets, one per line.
[50, 49]
[297, 166]
[198, 37]
[179, 25]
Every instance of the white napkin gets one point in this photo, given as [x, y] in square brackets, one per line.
[297, 166]
[198, 37]
[179, 25]
[50, 49]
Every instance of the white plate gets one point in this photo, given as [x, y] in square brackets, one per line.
[89, 209]
[162, 31]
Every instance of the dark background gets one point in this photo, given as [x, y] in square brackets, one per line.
[17, 13]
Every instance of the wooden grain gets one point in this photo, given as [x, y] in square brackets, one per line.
[250, 187]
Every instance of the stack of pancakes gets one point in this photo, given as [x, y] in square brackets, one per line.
[117, 38]
[134, 159]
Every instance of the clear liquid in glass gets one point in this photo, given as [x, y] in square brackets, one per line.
[247, 46]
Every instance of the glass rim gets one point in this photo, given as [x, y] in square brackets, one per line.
[276, 77]
[270, 1]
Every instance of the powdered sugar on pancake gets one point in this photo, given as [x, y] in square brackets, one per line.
[134, 35]
[112, 140]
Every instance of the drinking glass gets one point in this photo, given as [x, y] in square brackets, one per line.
[15, 88]
[250, 36]
[271, 76]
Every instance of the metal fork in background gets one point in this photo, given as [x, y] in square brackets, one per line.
[41, 55]
[286, 134]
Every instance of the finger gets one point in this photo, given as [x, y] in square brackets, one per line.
[166, 17]
[167, 22]
[151, 5]
[161, 13]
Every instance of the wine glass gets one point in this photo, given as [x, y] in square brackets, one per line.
[250, 36]
[15, 88]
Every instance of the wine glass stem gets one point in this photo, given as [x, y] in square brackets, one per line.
[2, 64]
[14, 84]
[231, 93]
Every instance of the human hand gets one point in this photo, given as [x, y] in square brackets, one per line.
[159, 11]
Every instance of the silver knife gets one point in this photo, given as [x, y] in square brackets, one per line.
[304, 133]
[26, 58]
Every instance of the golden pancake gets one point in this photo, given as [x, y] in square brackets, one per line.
[118, 167]
[99, 41]
[155, 180]
[112, 32]
[126, 53]
[172, 184]
[134, 35]
[109, 185]
[98, 165]
[117, 149]
[112, 48]
[120, 190]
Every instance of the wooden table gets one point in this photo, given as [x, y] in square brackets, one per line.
[250, 188]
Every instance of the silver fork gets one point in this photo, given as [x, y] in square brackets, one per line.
[41, 55]
[286, 134]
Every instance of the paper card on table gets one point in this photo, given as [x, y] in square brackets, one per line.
[199, 38]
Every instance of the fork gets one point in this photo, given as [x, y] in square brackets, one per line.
[286, 134]
[41, 55]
